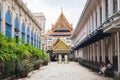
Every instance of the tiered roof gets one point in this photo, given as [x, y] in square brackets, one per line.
[61, 28]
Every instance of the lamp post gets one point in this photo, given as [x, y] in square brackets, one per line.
[16, 63]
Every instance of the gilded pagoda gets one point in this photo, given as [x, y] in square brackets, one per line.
[58, 39]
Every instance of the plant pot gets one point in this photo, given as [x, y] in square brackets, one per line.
[45, 63]
[23, 73]
[1, 76]
[36, 66]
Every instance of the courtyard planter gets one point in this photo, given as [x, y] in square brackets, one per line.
[24, 67]
[1, 76]
[23, 73]
[45, 62]
[36, 66]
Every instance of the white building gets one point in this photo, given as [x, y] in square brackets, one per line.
[41, 19]
[97, 34]
[14, 16]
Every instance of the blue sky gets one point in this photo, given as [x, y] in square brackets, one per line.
[52, 9]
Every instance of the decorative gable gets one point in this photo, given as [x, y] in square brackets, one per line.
[61, 45]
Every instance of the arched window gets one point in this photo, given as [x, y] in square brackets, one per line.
[16, 28]
[35, 39]
[0, 21]
[23, 32]
[32, 38]
[28, 35]
[8, 22]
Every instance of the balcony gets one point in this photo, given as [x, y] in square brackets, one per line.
[91, 38]
[112, 24]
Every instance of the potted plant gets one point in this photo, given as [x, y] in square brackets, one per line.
[24, 67]
[45, 62]
[37, 64]
[45, 59]
[37, 55]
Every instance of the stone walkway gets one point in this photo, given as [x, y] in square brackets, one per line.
[71, 71]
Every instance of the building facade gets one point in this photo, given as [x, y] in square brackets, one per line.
[41, 19]
[58, 38]
[97, 34]
[15, 16]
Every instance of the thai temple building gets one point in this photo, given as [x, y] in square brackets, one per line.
[58, 39]
[96, 38]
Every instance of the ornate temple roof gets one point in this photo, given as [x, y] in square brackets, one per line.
[61, 28]
[62, 23]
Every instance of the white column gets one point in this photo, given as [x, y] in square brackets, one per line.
[36, 40]
[66, 58]
[90, 53]
[118, 5]
[94, 18]
[118, 46]
[94, 48]
[26, 31]
[30, 34]
[13, 23]
[103, 50]
[85, 52]
[110, 49]
[83, 57]
[60, 59]
[98, 52]
[103, 10]
[110, 7]
[104, 45]
[76, 56]
[33, 37]
[4, 9]
[98, 16]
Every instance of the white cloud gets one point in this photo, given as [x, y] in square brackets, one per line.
[52, 9]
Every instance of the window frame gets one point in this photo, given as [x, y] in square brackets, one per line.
[115, 6]
[8, 23]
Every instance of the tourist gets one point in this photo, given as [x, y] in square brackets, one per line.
[109, 71]
[102, 68]
[109, 65]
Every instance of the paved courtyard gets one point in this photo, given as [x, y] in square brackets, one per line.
[71, 71]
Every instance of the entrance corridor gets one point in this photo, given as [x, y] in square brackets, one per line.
[71, 71]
